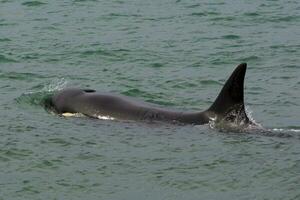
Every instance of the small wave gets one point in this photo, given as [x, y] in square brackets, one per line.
[209, 82]
[251, 14]
[5, 40]
[117, 54]
[98, 52]
[199, 14]
[33, 3]
[134, 92]
[4, 59]
[226, 18]
[77, 1]
[204, 13]
[124, 15]
[251, 58]
[286, 19]
[20, 76]
[231, 37]
[285, 130]
[156, 65]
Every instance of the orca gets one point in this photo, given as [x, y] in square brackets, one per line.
[228, 107]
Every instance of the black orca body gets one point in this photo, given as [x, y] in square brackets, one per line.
[229, 105]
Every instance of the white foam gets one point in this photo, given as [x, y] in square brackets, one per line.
[72, 114]
[249, 114]
[212, 122]
[283, 130]
[105, 117]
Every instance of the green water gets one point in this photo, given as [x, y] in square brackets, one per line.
[174, 53]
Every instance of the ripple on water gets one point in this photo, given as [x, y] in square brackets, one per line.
[20, 76]
[250, 59]
[204, 14]
[5, 40]
[231, 37]
[292, 18]
[5, 59]
[20, 128]
[210, 82]
[14, 153]
[157, 65]
[223, 19]
[48, 164]
[33, 3]
[251, 14]
[59, 142]
[115, 55]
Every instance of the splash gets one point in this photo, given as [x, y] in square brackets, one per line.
[40, 95]
[249, 113]
[236, 120]
[56, 85]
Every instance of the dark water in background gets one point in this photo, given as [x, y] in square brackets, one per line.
[173, 53]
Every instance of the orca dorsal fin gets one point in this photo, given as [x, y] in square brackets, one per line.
[232, 94]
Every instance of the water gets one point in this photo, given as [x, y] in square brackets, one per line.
[173, 53]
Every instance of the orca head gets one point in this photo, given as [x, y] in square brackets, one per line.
[63, 100]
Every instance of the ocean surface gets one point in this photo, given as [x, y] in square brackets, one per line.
[174, 53]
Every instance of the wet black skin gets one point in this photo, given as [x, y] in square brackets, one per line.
[93, 104]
